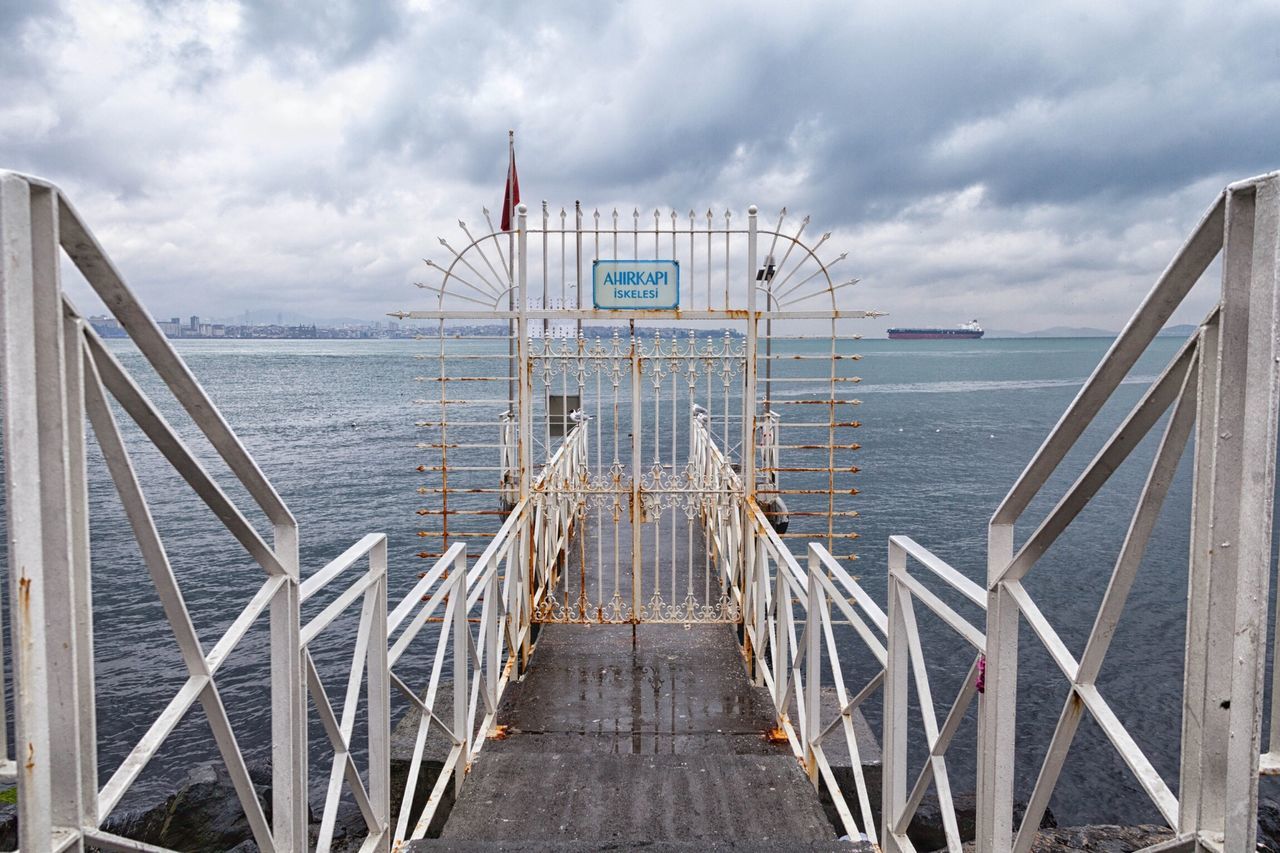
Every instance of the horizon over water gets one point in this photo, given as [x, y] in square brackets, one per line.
[947, 428]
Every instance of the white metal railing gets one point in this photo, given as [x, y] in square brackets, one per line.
[722, 508]
[906, 658]
[1223, 384]
[56, 372]
[775, 594]
[369, 663]
[506, 585]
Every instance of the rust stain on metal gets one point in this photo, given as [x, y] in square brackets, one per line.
[500, 732]
[24, 599]
[776, 735]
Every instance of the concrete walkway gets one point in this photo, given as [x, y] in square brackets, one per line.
[662, 744]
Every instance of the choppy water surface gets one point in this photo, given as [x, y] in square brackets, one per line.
[947, 427]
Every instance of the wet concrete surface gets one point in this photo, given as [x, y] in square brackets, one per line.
[615, 744]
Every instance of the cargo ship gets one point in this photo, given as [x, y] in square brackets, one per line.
[969, 331]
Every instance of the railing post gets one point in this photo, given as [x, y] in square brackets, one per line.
[759, 601]
[529, 583]
[379, 687]
[781, 638]
[289, 796]
[31, 506]
[894, 784]
[998, 706]
[1190, 780]
[461, 670]
[82, 594]
[68, 613]
[1231, 539]
[492, 637]
[815, 619]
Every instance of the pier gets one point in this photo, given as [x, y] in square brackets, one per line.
[635, 618]
[621, 743]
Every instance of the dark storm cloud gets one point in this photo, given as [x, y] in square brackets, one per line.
[1018, 151]
[1038, 106]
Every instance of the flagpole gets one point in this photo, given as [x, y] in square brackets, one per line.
[511, 271]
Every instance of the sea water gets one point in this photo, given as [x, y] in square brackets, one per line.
[947, 428]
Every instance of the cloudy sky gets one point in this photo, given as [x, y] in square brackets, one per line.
[1028, 164]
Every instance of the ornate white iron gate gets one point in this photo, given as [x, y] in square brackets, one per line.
[519, 358]
[640, 553]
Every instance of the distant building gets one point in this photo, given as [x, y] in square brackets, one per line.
[107, 327]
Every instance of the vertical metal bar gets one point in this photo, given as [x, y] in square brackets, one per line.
[1254, 482]
[529, 585]
[1226, 570]
[379, 700]
[58, 570]
[816, 617]
[998, 710]
[23, 450]
[522, 332]
[544, 305]
[577, 236]
[461, 671]
[708, 259]
[636, 497]
[491, 640]
[894, 790]
[760, 604]
[288, 701]
[81, 567]
[599, 469]
[1191, 781]
[749, 392]
[781, 637]
[728, 240]
[675, 432]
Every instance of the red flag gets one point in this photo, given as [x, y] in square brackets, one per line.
[511, 197]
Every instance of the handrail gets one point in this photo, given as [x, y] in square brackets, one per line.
[906, 656]
[57, 374]
[369, 663]
[776, 594]
[505, 583]
[1222, 387]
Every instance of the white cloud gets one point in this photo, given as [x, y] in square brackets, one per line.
[1029, 165]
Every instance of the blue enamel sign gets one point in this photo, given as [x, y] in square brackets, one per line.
[636, 285]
